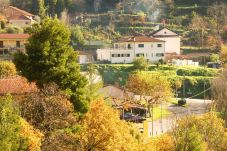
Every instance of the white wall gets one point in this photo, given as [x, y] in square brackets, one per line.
[149, 50]
[83, 59]
[172, 44]
[21, 23]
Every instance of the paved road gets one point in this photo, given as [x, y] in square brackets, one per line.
[195, 106]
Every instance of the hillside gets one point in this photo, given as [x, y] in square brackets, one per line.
[200, 23]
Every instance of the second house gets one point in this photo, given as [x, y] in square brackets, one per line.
[128, 48]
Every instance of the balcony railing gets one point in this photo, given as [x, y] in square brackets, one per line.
[10, 50]
[119, 48]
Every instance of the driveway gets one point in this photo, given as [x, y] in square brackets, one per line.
[194, 107]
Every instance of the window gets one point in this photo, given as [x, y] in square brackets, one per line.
[1, 44]
[159, 54]
[139, 55]
[141, 45]
[125, 55]
[129, 46]
[151, 54]
[116, 55]
[116, 46]
[18, 44]
[159, 45]
[151, 45]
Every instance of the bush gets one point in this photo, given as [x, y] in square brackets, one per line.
[14, 30]
[7, 69]
[140, 64]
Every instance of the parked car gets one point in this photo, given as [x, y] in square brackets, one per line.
[182, 102]
[130, 117]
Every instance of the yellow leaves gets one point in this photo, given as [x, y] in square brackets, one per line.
[33, 136]
[164, 143]
[103, 130]
[7, 69]
[223, 55]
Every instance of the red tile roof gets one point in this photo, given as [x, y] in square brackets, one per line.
[17, 85]
[139, 39]
[14, 36]
[21, 11]
[13, 13]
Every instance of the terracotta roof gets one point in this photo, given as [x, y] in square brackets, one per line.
[21, 11]
[14, 36]
[17, 85]
[139, 39]
[13, 13]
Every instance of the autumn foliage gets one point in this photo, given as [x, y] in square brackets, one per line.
[103, 130]
[7, 69]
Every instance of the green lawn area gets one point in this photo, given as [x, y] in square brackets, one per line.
[157, 113]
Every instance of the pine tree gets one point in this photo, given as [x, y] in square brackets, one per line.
[50, 59]
[41, 9]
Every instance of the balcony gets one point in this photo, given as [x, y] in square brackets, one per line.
[119, 48]
[10, 50]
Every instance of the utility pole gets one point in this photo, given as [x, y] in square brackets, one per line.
[152, 119]
[176, 89]
[204, 88]
[184, 87]
[161, 118]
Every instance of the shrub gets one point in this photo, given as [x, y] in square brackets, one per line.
[140, 64]
[7, 69]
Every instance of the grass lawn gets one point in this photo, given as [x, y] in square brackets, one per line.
[157, 113]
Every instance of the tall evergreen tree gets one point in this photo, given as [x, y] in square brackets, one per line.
[41, 9]
[50, 58]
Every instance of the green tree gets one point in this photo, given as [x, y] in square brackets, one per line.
[77, 36]
[41, 9]
[94, 85]
[140, 64]
[38, 8]
[10, 139]
[50, 58]
[205, 132]
[189, 140]
[214, 58]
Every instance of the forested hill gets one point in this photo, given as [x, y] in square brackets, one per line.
[177, 11]
[57, 6]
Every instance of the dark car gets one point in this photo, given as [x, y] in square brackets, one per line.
[182, 102]
[130, 117]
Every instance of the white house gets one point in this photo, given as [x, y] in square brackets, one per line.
[128, 48]
[172, 40]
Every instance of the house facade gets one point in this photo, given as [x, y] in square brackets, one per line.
[18, 17]
[128, 48]
[172, 40]
[10, 43]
